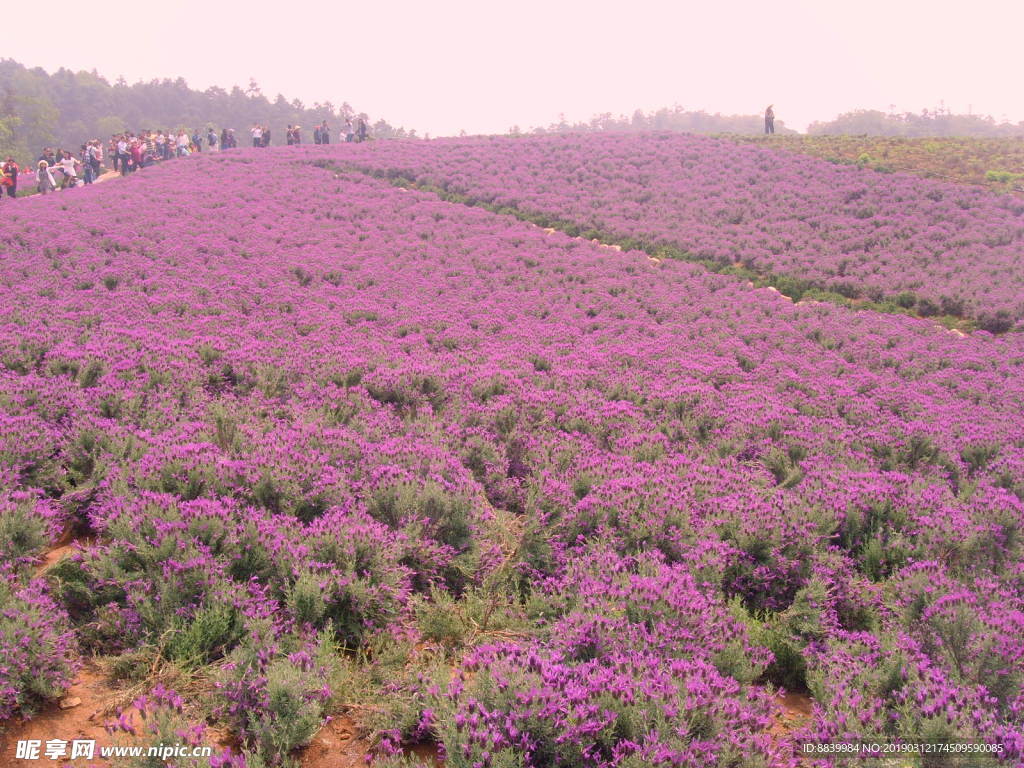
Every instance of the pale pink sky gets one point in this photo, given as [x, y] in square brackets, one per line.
[445, 65]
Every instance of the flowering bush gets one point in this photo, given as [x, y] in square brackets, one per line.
[37, 645]
[166, 726]
[274, 699]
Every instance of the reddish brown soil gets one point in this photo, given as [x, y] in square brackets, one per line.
[83, 721]
[338, 745]
[65, 545]
[794, 711]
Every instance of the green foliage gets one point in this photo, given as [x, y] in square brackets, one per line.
[785, 465]
[91, 374]
[134, 665]
[291, 689]
[489, 388]
[1003, 177]
[978, 456]
[788, 669]
[306, 600]
[205, 637]
[440, 619]
[22, 533]
[448, 514]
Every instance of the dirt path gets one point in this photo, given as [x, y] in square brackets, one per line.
[79, 714]
[338, 745]
[793, 712]
[335, 746]
[65, 545]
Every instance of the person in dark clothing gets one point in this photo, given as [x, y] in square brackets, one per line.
[361, 130]
[266, 136]
[325, 133]
[316, 135]
[87, 170]
[93, 151]
[9, 177]
[769, 119]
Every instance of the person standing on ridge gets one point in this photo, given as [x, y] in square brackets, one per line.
[325, 133]
[94, 157]
[83, 156]
[769, 119]
[122, 154]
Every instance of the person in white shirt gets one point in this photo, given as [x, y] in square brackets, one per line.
[122, 154]
[257, 135]
[183, 142]
[67, 166]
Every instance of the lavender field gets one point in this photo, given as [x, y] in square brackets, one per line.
[334, 449]
[935, 247]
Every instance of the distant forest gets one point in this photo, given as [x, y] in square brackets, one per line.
[667, 119]
[937, 122]
[67, 108]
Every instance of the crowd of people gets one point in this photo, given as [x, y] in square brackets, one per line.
[128, 152]
[351, 131]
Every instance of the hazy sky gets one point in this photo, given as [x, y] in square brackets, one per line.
[445, 65]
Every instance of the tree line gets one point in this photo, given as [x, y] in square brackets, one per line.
[666, 119]
[931, 123]
[66, 109]
[937, 122]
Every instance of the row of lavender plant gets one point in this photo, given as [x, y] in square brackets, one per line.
[934, 247]
[566, 507]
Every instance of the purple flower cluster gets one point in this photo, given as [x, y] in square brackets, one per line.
[946, 248]
[312, 400]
